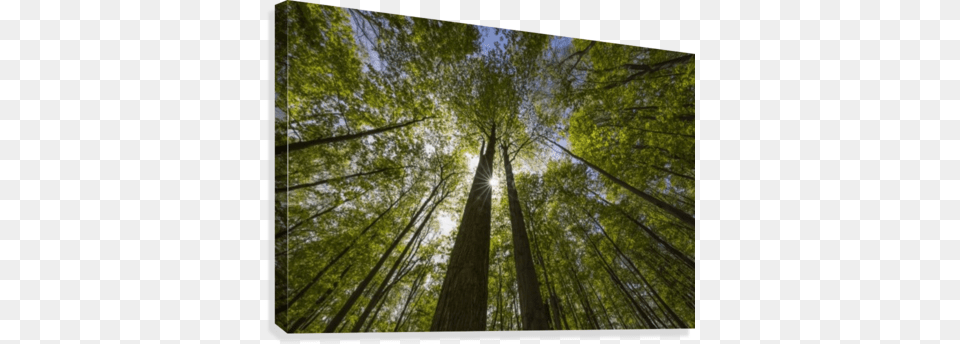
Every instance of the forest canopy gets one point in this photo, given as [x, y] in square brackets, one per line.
[436, 176]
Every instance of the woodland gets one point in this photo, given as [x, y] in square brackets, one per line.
[437, 176]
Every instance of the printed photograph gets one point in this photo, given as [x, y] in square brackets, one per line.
[438, 176]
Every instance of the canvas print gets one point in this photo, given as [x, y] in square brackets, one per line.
[436, 176]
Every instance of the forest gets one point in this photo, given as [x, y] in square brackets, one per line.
[437, 176]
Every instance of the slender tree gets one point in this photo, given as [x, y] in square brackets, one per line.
[316, 278]
[338, 318]
[393, 269]
[305, 320]
[531, 303]
[679, 214]
[297, 146]
[329, 180]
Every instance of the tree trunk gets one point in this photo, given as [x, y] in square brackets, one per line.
[347, 248]
[531, 302]
[664, 151]
[302, 222]
[563, 314]
[670, 209]
[325, 181]
[669, 310]
[296, 146]
[643, 70]
[462, 304]
[338, 318]
[585, 302]
[554, 303]
[573, 311]
[498, 321]
[373, 319]
[618, 282]
[651, 234]
[688, 136]
[393, 269]
[414, 288]
[405, 319]
[670, 172]
[307, 318]
[602, 307]
[579, 55]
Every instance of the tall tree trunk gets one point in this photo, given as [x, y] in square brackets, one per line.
[585, 302]
[531, 302]
[643, 70]
[307, 318]
[669, 310]
[688, 136]
[338, 318]
[405, 319]
[343, 252]
[468, 266]
[516, 314]
[618, 282]
[554, 301]
[287, 231]
[373, 319]
[414, 288]
[603, 308]
[296, 146]
[563, 313]
[573, 311]
[664, 151]
[328, 180]
[670, 172]
[498, 321]
[396, 264]
[676, 253]
[670, 209]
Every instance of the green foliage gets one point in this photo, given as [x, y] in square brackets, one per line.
[627, 110]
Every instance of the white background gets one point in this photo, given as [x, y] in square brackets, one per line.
[136, 165]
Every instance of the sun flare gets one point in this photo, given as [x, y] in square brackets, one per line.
[494, 183]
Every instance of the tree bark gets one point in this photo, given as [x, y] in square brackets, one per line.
[296, 146]
[462, 304]
[531, 302]
[670, 209]
[338, 318]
